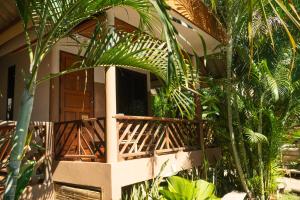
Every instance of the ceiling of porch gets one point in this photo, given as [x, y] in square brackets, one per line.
[189, 33]
[10, 25]
[8, 14]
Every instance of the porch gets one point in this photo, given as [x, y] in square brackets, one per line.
[77, 152]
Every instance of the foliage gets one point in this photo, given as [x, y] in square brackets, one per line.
[148, 190]
[25, 175]
[177, 188]
[183, 189]
[261, 85]
[161, 107]
[255, 137]
[174, 187]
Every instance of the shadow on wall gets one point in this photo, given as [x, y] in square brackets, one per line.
[171, 164]
[43, 191]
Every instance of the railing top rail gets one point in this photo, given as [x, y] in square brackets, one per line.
[81, 120]
[162, 119]
[7, 123]
[12, 126]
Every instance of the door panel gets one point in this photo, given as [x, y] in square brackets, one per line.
[76, 91]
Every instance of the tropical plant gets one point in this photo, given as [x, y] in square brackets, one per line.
[270, 92]
[239, 19]
[148, 190]
[55, 19]
[161, 107]
[182, 189]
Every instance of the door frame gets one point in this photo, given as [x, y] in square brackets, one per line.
[60, 88]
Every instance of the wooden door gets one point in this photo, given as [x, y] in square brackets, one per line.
[76, 91]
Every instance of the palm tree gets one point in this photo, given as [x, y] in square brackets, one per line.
[53, 20]
[274, 96]
[237, 17]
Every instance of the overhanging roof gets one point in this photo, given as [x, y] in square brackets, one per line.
[192, 11]
[199, 14]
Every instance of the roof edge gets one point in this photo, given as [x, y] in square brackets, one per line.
[201, 16]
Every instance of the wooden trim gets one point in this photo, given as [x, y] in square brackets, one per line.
[81, 120]
[146, 118]
[11, 32]
[121, 25]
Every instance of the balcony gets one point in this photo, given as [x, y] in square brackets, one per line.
[138, 137]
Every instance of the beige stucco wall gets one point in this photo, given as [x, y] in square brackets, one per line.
[111, 177]
[43, 97]
[21, 61]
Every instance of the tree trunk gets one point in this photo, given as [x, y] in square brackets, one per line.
[19, 140]
[198, 116]
[259, 152]
[229, 55]
[241, 142]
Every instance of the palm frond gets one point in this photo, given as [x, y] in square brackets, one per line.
[53, 20]
[255, 137]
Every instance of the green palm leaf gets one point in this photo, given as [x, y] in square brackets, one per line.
[255, 137]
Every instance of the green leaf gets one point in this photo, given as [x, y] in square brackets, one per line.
[171, 195]
[205, 190]
[183, 189]
[255, 137]
[24, 177]
[23, 7]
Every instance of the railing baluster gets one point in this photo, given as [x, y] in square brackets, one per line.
[82, 139]
[167, 136]
[161, 135]
[79, 137]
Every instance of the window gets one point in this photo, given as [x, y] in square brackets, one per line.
[131, 93]
[10, 92]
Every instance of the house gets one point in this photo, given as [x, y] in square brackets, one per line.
[99, 134]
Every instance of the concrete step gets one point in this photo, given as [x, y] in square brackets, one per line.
[291, 184]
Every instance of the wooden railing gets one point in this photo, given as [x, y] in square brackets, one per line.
[137, 137]
[208, 135]
[6, 132]
[38, 131]
[80, 140]
[146, 136]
